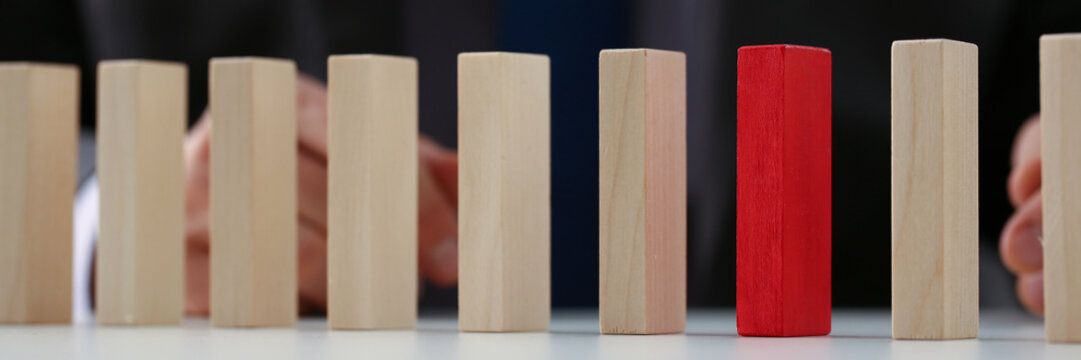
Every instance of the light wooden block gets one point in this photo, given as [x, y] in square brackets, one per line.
[372, 234]
[39, 115]
[935, 190]
[253, 192]
[142, 114]
[1060, 115]
[643, 191]
[504, 203]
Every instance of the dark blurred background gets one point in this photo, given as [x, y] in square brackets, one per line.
[572, 32]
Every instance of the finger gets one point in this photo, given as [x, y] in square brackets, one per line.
[197, 231]
[197, 278]
[312, 116]
[1030, 292]
[312, 190]
[1020, 246]
[1027, 143]
[311, 267]
[443, 164]
[1024, 178]
[436, 232]
[197, 181]
[1024, 181]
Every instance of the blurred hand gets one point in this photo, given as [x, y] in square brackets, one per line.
[1021, 244]
[438, 201]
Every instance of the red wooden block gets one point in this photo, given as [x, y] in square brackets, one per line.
[783, 198]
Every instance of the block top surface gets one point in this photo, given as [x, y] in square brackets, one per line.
[783, 48]
[930, 42]
[644, 51]
[122, 63]
[1061, 37]
[27, 65]
[370, 57]
[250, 60]
[467, 55]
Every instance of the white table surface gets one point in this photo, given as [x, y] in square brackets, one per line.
[573, 334]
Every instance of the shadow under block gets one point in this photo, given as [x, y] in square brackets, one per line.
[504, 202]
[783, 224]
[1060, 114]
[253, 192]
[643, 191]
[934, 194]
[372, 235]
[39, 115]
[142, 114]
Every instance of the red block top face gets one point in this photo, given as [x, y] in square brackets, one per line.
[784, 190]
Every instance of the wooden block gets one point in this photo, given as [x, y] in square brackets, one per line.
[643, 191]
[39, 116]
[935, 190]
[372, 243]
[142, 114]
[1060, 114]
[504, 203]
[253, 192]
[783, 196]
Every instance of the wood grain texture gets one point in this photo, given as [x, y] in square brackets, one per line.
[935, 203]
[783, 224]
[643, 191]
[253, 192]
[142, 114]
[372, 243]
[39, 115]
[1060, 117]
[504, 186]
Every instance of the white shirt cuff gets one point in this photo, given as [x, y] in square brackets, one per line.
[85, 234]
